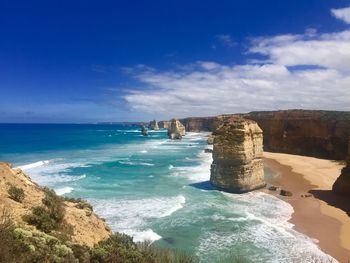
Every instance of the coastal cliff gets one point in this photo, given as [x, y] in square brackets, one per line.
[86, 227]
[176, 130]
[321, 134]
[237, 156]
[342, 184]
[201, 124]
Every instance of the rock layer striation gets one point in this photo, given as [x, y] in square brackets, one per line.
[237, 156]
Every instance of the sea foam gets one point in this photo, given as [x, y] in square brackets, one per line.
[131, 216]
[33, 165]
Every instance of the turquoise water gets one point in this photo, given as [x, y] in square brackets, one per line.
[156, 189]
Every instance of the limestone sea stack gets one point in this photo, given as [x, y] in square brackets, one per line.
[237, 156]
[342, 184]
[153, 125]
[144, 130]
[176, 130]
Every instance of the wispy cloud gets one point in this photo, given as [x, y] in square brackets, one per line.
[342, 14]
[319, 79]
[225, 40]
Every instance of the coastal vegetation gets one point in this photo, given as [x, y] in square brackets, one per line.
[16, 193]
[19, 244]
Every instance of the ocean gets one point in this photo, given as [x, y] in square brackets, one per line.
[156, 189]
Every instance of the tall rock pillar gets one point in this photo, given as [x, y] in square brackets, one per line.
[237, 156]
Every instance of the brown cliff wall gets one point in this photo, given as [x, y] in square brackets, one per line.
[322, 134]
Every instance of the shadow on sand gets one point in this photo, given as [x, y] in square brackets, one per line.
[333, 199]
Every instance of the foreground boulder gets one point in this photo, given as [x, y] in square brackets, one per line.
[153, 125]
[237, 156]
[176, 130]
[342, 184]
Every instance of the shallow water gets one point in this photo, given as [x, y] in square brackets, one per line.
[156, 189]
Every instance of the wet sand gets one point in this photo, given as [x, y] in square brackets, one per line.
[323, 216]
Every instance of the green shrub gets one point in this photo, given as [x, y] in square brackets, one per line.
[16, 193]
[119, 248]
[41, 219]
[54, 204]
[50, 216]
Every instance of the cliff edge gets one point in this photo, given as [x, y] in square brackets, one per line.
[86, 228]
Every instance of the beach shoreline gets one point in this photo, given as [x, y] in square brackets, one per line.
[323, 216]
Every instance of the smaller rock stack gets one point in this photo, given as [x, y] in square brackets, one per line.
[153, 125]
[144, 130]
[176, 130]
[237, 156]
[342, 184]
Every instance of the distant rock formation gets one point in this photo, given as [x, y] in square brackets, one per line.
[197, 124]
[144, 130]
[153, 125]
[237, 156]
[164, 124]
[342, 184]
[176, 130]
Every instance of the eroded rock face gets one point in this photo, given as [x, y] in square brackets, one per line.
[342, 184]
[176, 130]
[153, 125]
[237, 156]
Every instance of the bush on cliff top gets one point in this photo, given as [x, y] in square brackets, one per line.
[16, 193]
[49, 216]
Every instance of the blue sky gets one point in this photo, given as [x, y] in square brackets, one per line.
[89, 61]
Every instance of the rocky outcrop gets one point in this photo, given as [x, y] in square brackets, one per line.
[237, 156]
[176, 130]
[87, 228]
[144, 130]
[153, 125]
[342, 184]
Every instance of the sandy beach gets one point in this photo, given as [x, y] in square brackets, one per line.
[324, 216]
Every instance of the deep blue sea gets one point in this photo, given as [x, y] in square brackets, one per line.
[156, 189]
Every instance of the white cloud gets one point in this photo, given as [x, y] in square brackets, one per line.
[208, 88]
[342, 14]
[325, 50]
